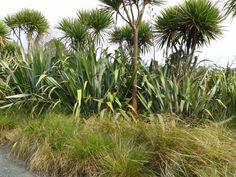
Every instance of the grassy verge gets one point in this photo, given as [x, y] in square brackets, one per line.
[63, 146]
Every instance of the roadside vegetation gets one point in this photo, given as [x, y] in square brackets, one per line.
[103, 146]
[71, 107]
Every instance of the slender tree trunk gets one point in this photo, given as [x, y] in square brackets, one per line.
[190, 59]
[37, 39]
[18, 36]
[30, 40]
[134, 102]
[187, 64]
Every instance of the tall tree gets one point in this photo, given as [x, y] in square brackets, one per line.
[89, 26]
[75, 34]
[188, 26]
[123, 36]
[131, 11]
[98, 23]
[30, 22]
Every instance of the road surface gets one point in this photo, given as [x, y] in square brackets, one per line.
[12, 168]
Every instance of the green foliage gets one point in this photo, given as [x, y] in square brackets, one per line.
[162, 146]
[89, 27]
[11, 49]
[23, 79]
[98, 22]
[192, 24]
[28, 19]
[4, 34]
[194, 95]
[92, 82]
[115, 6]
[124, 37]
[112, 5]
[230, 6]
[7, 123]
[186, 27]
[78, 81]
[167, 33]
[31, 22]
[74, 33]
[88, 79]
[85, 82]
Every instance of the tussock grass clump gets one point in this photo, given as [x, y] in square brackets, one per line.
[8, 122]
[63, 146]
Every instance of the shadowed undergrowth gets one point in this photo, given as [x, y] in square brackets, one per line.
[64, 146]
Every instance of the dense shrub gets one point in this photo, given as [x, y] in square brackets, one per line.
[88, 82]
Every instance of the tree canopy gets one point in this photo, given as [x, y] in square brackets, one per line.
[31, 22]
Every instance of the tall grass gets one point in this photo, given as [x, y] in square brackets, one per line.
[63, 146]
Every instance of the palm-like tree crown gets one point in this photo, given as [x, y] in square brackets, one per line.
[192, 24]
[28, 20]
[97, 21]
[4, 34]
[124, 36]
[167, 29]
[89, 26]
[33, 23]
[74, 32]
[116, 5]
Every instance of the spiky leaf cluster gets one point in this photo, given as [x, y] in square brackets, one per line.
[193, 24]
[124, 36]
[32, 22]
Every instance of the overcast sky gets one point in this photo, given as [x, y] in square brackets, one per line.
[221, 51]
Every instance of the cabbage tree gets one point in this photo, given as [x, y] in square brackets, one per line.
[90, 26]
[98, 22]
[30, 22]
[74, 34]
[188, 27]
[131, 11]
[123, 36]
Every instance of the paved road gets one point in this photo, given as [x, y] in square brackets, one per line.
[12, 168]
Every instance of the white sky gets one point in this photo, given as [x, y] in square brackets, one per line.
[220, 51]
